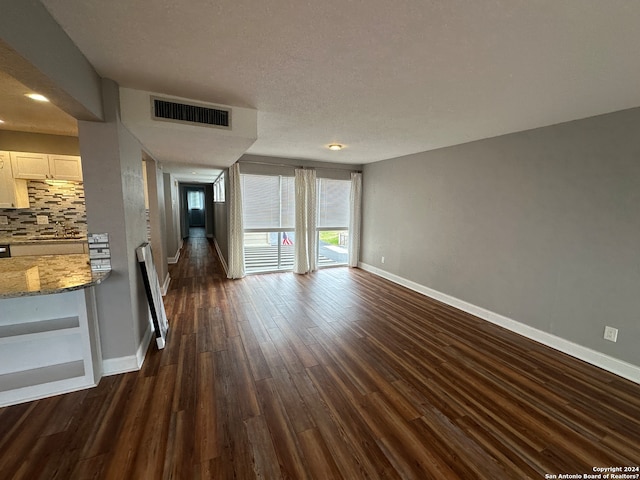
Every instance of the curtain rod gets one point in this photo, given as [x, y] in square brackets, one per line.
[296, 166]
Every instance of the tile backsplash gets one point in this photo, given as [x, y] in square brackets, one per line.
[62, 204]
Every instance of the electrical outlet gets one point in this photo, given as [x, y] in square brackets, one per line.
[4, 220]
[382, 260]
[42, 219]
[611, 334]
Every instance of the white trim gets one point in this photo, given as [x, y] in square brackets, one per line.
[141, 353]
[601, 360]
[165, 285]
[115, 366]
[130, 363]
[174, 259]
[44, 390]
[222, 260]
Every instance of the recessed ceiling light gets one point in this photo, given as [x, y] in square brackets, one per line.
[335, 146]
[37, 97]
[193, 173]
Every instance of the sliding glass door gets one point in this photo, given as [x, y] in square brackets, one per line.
[333, 222]
[269, 222]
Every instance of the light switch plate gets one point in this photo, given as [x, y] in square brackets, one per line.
[4, 220]
[42, 219]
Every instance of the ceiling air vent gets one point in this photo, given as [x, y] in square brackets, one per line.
[169, 111]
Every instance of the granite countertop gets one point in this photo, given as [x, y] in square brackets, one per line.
[45, 274]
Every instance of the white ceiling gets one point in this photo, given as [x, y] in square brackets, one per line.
[384, 78]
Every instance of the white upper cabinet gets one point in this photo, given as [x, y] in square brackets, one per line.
[65, 167]
[30, 166]
[13, 193]
[40, 166]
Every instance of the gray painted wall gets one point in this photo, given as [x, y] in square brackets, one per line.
[541, 226]
[112, 167]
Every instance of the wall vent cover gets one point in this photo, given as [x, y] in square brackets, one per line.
[192, 114]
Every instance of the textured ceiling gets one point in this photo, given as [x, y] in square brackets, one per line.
[384, 78]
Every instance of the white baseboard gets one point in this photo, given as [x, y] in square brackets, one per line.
[130, 363]
[601, 360]
[165, 285]
[221, 257]
[45, 390]
[115, 366]
[174, 259]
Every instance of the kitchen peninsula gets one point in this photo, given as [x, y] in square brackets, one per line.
[49, 339]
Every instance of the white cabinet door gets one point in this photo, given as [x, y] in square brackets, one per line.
[30, 166]
[13, 193]
[65, 167]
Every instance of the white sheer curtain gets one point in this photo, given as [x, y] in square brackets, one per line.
[236, 227]
[355, 215]
[305, 259]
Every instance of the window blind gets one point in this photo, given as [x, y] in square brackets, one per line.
[333, 203]
[268, 201]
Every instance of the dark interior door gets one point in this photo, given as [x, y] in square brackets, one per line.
[196, 217]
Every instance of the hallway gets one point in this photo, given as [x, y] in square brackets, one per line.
[197, 232]
[339, 374]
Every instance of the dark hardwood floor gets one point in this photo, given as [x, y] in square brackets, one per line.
[339, 374]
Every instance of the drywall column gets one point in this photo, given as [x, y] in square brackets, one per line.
[172, 214]
[112, 168]
[155, 187]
